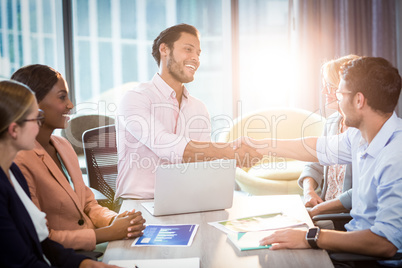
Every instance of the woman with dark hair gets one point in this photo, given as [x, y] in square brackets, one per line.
[23, 230]
[54, 177]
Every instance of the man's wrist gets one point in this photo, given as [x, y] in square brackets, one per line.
[312, 235]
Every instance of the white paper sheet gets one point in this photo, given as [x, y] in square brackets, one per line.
[157, 263]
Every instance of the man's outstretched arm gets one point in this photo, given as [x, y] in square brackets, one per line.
[249, 151]
[303, 149]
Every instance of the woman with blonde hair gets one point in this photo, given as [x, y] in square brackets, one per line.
[335, 182]
[23, 230]
[54, 176]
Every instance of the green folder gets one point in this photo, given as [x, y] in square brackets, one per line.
[249, 240]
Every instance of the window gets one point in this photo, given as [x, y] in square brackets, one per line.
[112, 42]
[30, 32]
[265, 61]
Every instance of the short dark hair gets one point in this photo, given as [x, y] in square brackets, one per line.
[376, 79]
[39, 78]
[169, 36]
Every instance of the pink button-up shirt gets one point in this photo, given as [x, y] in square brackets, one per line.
[153, 130]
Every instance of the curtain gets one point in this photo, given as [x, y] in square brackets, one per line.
[324, 30]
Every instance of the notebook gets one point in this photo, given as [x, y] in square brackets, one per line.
[193, 187]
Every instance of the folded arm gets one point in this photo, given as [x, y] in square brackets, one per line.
[330, 206]
[311, 198]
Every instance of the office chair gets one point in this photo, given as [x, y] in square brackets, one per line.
[101, 157]
[78, 124]
[76, 127]
[338, 219]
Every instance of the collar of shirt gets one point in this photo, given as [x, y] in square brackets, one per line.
[165, 89]
[381, 139]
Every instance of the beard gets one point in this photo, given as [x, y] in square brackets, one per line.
[352, 119]
[351, 122]
[176, 70]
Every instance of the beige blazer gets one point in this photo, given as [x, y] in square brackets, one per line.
[72, 215]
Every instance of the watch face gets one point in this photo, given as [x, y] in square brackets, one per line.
[312, 232]
[312, 236]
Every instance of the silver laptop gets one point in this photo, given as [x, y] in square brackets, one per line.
[193, 187]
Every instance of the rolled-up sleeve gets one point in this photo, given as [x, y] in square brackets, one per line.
[346, 199]
[313, 170]
[388, 222]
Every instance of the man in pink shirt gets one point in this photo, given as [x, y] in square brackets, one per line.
[159, 122]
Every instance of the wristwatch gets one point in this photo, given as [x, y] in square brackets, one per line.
[312, 236]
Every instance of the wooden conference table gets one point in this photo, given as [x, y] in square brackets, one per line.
[212, 246]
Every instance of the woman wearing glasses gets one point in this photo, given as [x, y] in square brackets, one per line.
[23, 230]
[335, 181]
[75, 218]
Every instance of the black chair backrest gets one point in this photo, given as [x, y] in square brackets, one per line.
[101, 157]
[79, 124]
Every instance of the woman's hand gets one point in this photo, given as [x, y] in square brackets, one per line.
[137, 226]
[311, 199]
[128, 224]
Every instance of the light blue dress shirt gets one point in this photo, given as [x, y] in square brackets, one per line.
[377, 177]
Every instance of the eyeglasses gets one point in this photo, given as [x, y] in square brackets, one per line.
[339, 94]
[329, 88]
[40, 119]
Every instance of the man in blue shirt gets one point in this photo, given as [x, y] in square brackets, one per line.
[368, 94]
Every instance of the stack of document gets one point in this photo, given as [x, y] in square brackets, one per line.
[245, 233]
[258, 223]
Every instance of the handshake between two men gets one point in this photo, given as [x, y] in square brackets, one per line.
[248, 151]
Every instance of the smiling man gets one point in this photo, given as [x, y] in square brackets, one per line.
[368, 94]
[159, 122]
